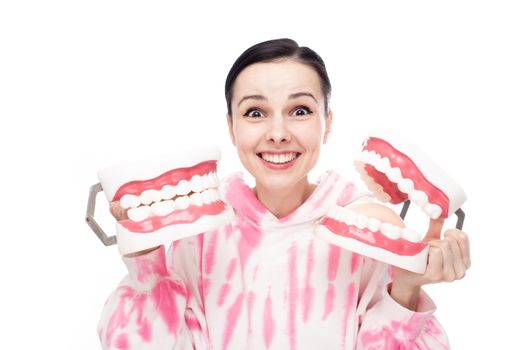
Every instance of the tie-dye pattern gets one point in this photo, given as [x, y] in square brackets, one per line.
[264, 283]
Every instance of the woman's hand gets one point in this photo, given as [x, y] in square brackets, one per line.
[117, 211]
[122, 214]
[448, 260]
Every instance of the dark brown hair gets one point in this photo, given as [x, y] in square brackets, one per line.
[274, 50]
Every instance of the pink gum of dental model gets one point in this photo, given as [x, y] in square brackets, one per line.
[168, 198]
[378, 240]
[395, 171]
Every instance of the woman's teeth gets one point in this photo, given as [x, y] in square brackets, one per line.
[279, 158]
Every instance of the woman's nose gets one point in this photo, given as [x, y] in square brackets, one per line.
[278, 130]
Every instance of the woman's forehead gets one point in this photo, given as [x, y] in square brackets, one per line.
[277, 78]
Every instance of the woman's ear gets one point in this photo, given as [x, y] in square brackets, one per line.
[328, 127]
[230, 128]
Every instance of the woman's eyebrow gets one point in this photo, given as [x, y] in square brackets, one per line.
[261, 97]
[299, 94]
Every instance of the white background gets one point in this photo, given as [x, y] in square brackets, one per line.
[87, 84]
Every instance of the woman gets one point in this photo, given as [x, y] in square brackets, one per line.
[264, 281]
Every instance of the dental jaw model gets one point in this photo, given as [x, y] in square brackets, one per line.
[395, 171]
[167, 198]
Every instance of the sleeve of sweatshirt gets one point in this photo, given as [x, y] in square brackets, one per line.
[154, 306]
[385, 324]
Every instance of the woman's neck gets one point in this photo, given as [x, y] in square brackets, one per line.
[283, 202]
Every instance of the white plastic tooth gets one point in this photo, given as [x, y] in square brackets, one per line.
[351, 217]
[373, 158]
[163, 208]
[196, 199]
[394, 174]
[139, 213]
[149, 196]
[206, 197]
[390, 231]
[196, 183]
[182, 202]
[214, 180]
[433, 210]
[361, 221]
[344, 216]
[383, 164]
[206, 179]
[364, 156]
[410, 235]
[418, 197]
[405, 185]
[348, 216]
[129, 201]
[374, 224]
[183, 188]
[215, 196]
[168, 192]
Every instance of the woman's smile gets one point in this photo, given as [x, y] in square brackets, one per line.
[278, 160]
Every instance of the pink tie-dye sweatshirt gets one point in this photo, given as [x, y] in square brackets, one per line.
[264, 283]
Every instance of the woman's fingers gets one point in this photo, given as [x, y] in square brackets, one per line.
[434, 229]
[449, 273]
[459, 264]
[117, 211]
[455, 256]
[434, 272]
[463, 247]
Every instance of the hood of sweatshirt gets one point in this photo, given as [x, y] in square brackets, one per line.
[332, 189]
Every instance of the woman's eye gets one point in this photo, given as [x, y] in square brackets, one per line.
[305, 110]
[249, 113]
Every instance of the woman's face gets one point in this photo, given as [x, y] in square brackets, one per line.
[278, 122]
